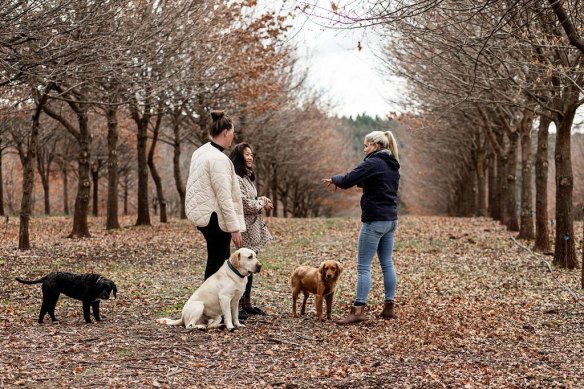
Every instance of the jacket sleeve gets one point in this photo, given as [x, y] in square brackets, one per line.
[221, 183]
[251, 205]
[355, 177]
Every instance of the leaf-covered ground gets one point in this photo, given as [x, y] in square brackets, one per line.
[475, 310]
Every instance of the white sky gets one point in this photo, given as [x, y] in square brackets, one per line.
[348, 77]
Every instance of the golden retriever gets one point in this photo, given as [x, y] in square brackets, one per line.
[219, 295]
[320, 282]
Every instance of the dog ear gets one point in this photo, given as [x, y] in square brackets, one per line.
[322, 271]
[114, 289]
[235, 259]
[340, 267]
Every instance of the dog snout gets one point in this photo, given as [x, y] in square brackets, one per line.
[258, 267]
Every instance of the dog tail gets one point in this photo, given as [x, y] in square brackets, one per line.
[30, 282]
[171, 322]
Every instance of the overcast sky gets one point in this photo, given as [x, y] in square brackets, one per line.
[348, 77]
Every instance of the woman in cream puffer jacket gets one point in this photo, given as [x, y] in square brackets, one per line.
[213, 198]
[213, 187]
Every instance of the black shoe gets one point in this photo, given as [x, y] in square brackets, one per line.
[254, 311]
[243, 315]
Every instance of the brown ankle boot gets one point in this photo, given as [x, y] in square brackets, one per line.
[388, 310]
[356, 315]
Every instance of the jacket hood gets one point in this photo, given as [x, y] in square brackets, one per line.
[386, 156]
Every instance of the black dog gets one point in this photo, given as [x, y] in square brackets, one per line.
[88, 288]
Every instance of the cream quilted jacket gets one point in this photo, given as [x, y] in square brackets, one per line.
[212, 186]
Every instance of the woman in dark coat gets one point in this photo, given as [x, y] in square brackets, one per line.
[378, 175]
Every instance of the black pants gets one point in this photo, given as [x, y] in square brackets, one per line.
[247, 292]
[248, 286]
[218, 245]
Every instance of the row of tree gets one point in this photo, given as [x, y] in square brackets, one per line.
[482, 77]
[76, 75]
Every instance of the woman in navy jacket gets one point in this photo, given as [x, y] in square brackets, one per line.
[378, 175]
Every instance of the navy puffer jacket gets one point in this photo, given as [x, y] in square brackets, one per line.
[378, 175]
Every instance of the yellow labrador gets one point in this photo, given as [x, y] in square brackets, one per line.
[219, 295]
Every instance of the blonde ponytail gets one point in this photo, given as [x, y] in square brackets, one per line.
[392, 144]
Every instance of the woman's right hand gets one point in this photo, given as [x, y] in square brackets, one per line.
[329, 182]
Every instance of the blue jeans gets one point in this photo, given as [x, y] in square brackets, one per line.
[375, 237]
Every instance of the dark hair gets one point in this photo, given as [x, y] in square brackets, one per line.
[220, 122]
[236, 157]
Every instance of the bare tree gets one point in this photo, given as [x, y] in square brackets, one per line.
[28, 169]
[45, 158]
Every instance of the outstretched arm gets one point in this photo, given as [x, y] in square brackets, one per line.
[354, 177]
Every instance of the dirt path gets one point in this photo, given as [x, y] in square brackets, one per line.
[475, 310]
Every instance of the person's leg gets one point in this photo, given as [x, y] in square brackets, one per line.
[385, 254]
[367, 246]
[248, 286]
[245, 302]
[218, 244]
[369, 238]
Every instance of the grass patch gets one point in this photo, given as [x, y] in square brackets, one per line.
[425, 246]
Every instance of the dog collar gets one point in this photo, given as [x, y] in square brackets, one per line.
[234, 269]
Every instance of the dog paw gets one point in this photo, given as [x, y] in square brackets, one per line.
[239, 325]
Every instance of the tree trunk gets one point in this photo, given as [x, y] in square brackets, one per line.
[513, 217]
[284, 198]
[274, 191]
[468, 196]
[112, 221]
[43, 167]
[481, 209]
[28, 173]
[28, 179]
[542, 242]
[502, 188]
[65, 171]
[80, 225]
[494, 207]
[45, 183]
[143, 210]
[178, 180]
[126, 194]
[526, 230]
[1, 185]
[565, 248]
[154, 172]
[95, 180]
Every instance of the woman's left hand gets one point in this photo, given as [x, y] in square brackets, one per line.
[268, 206]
